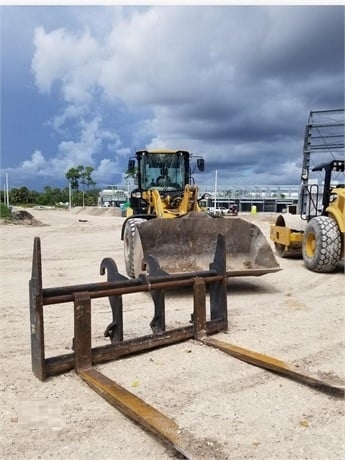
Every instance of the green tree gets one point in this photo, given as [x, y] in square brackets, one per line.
[50, 196]
[64, 195]
[19, 196]
[34, 197]
[80, 175]
[5, 211]
[131, 173]
[73, 176]
[86, 179]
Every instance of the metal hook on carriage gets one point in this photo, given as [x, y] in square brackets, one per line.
[115, 329]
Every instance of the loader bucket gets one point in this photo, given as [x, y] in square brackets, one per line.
[186, 244]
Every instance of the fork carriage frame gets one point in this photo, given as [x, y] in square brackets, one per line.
[117, 285]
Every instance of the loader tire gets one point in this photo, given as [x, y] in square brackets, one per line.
[133, 252]
[321, 246]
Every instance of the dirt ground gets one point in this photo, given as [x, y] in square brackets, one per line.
[233, 409]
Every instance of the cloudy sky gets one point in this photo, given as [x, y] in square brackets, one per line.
[91, 84]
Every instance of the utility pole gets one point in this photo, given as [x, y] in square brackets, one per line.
[215, 192]
[69, 195]
[7, 197]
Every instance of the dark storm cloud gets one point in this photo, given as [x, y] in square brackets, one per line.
[233, 83]
[302, 41]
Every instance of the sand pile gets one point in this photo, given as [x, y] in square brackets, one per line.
[96, 211]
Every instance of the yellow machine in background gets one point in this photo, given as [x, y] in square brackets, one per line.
[164, 184]
[317, 231]
[169, 222]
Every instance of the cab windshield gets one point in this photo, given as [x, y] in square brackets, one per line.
[162, 171]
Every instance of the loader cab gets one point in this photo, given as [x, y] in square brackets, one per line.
[164, 171]
[167, 171]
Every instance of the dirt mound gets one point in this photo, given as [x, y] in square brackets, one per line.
[22, 217]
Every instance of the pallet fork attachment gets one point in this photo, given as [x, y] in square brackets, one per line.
[157, 282]
[276, 365]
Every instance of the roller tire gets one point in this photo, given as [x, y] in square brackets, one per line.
[321, 246]
[132, 247]
[282, 251]
[286, 252]
[293, 223]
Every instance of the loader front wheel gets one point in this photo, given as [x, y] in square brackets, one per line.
[133, 252]
[321, 246]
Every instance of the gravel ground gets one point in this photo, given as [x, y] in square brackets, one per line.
[228, 408]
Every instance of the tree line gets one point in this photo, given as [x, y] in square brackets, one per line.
[83, 192]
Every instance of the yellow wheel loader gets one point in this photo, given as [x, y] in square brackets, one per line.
[317, 231]
[168, 222]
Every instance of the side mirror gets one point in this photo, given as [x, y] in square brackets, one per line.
[131, 165]
[201, 164]
[304, 175]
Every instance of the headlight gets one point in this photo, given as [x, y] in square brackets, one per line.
[136, 195]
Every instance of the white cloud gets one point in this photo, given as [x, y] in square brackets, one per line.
[69, 59]
[106, 170]
[152, 57]
[36, 163]
[71, 154]
[70, 113]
